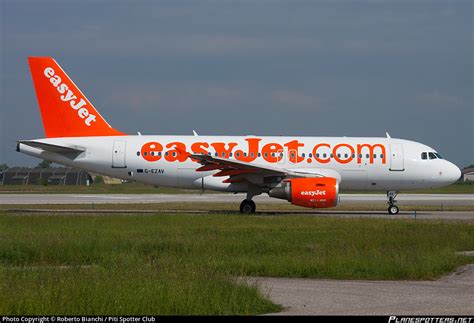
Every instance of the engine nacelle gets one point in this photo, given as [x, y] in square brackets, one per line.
[314, 192]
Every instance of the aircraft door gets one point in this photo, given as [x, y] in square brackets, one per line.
[396, 157]
[118, 154]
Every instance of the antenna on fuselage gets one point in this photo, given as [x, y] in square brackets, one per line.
[195, 133]
[388, 136]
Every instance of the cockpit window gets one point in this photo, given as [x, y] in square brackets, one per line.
[430, 155]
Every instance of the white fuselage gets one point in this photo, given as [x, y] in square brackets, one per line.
[357, 163]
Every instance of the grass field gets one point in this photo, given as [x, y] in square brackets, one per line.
[190, 264]
[138, 188]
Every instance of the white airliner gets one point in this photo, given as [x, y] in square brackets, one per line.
[306, 171]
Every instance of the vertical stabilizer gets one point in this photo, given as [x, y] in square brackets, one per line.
[65, 110]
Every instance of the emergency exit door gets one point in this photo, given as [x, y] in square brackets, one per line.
[118, 154]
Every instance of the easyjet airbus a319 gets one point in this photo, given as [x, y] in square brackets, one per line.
[306, 171]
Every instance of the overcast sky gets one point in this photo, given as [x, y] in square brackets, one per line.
[313, 68]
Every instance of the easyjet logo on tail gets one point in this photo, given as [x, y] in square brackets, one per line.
[66, 95]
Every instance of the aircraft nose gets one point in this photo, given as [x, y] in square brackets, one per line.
[453, 173]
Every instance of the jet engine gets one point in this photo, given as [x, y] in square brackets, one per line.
[313, 192]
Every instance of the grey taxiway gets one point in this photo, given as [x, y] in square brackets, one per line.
[450, 295]
[421, 199]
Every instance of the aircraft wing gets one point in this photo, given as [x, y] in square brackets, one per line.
[235, 164]
[238, 171]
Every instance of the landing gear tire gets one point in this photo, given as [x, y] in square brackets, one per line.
[393, 209]
[247, 207]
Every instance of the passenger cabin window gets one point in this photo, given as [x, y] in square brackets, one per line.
[424, 156]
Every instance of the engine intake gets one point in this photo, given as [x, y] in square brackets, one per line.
[319, 192]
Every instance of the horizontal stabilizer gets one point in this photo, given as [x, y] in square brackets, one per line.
[51, 147]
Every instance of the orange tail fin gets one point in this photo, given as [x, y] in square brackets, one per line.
[65, 111]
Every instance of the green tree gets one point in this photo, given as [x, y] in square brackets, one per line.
[44, 164]
[98, 180]
[3, 167]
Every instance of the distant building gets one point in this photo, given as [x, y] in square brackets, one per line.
[107, 179]
[468, 174]
[50, 176]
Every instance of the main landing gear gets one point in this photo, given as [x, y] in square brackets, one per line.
[247, 207]
[392, 208]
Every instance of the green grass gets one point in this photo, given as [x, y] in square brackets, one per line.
[138, 188]
[189, 264]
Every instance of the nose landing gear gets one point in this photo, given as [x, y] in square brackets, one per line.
[392, 208]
